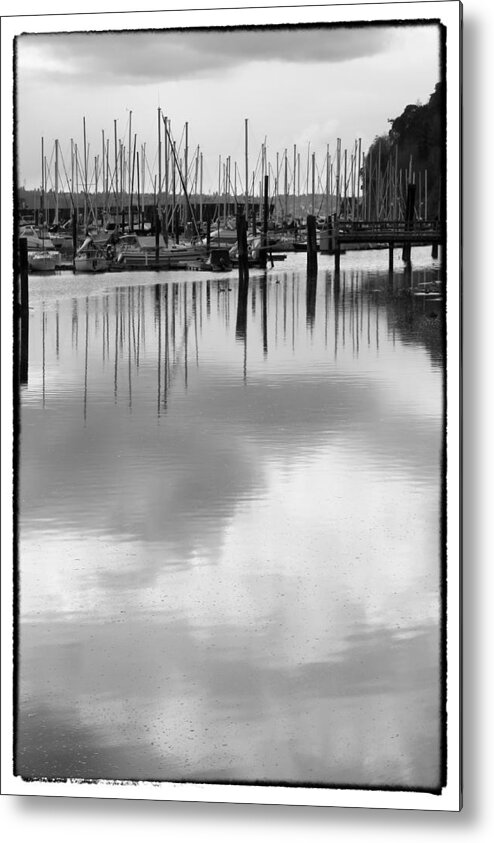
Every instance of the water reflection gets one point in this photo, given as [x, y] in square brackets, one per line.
[229, 518]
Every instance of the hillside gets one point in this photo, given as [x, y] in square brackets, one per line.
[415, 143]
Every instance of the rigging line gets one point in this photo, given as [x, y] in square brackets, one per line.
[84, 192]
[181, 177]
[69, 189]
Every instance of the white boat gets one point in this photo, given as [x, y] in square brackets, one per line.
[135, 252]
[222, 237]
[39, 261]
[42, 246]
[91, 257]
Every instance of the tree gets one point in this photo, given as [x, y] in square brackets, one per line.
[415, 142]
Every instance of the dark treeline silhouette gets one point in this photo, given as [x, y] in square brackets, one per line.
[414, 146]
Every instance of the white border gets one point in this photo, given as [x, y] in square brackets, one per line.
[448, 11]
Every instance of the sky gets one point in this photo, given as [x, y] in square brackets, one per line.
[303, 86]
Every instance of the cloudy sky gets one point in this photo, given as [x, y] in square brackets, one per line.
[295, 85]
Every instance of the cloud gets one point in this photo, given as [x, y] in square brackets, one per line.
[145, 57]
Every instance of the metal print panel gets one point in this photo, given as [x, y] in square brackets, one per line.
[236, 442]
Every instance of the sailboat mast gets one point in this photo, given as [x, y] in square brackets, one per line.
[294, 182]
[247, 170]
[338, 169]
[328, 158]
[186, 173]
[85, 171]
[159, 163]
[72, 173]
[167, 186]
[103, 174]
[42, 197]
[200, 189]
[56, 183]
[286, 186]
[143, 181]
[129, 169]
[313, 205]
[116, 163]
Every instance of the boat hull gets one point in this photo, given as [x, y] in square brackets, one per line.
[172, 258]
[83, 263]
[43, 261]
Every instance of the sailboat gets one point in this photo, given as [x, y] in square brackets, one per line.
[41, 253]
[91, 257]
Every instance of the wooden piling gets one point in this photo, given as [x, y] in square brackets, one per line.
[243, 278]
[265, 215]
[311, 245]
[391, 257]
[23, 266]
[311, 292]
[74, 236]
[23, 310]
[243, 265]
[157, 232]
[337, 253]
[409, 217]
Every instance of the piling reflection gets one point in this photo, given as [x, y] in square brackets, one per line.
[310, 298]
[240, 525]
[355, 309]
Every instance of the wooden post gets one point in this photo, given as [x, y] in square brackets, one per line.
[74, 235]
[337, 258]
[243, 264]
[157, 229]
[409, 215]
[311, 245]
[391, 256]
[264, 236]
[208, 233]
[23, 261]
[243, 278]
[23, 305]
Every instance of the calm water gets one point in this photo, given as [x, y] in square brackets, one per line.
[229, 527]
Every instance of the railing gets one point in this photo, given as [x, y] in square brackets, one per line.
[385, 226]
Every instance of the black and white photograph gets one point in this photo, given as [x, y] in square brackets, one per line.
[231, 278]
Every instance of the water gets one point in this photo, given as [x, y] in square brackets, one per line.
[229, 514]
